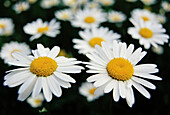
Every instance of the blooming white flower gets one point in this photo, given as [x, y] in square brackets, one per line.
[148, 2]
[106, 2]
[73, 3]
[166, 6]
[36, 101]
[116, 69]
[88, 18]
[38, 28]
[94, 36]
[88, 90]
[158, 50]
[144, 14]
[116, 16]
[148, 33]
[42, 71]
[6, 26]
[65, 15]
[49, 3]
[21, 6]
[9, 48]
[161, 18]
[92, 5]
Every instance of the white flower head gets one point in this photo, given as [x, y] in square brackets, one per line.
[9, 48]
[65, 15]
[166, 6]
[106, 2]
[88, 18]
[148, 33]
[158, 50]
[92, 5]
[116, 69]
[36, 101]
[161, 18]
[43, 71]
[148, 2]
[88, 90]
[144, 14]
[49, 3]
[94, 36]
[6, 26]
[116, 17]
[21, 6]
[38, 28]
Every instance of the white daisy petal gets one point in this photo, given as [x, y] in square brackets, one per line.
[46, 91]
[144, 82]
[116, 94]
[37, 87]
[62, 83]
[64, 77]
[101, 81]
[148, 76]
[141, 89]
[41, 50]
[109, 86]
[54, 52]
[130, 97]
[70, 69]
[122, 90]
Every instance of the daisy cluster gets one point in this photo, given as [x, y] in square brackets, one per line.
[83, 37]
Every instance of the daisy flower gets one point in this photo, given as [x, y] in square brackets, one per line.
[116, 69]
[116, 17]
[166, 6]
[36, 101]
[158, 50]
[92, 5]
[43, 71]
[88, 90]
[6, 26]
[9, 48]
[144, 14]
[38, 28]
[148, 2]
[65, 15]
[49, 3]
[21, 6]
[94, 36]
[106, 2]
[148, 33]
[88, 18]
[161, 18]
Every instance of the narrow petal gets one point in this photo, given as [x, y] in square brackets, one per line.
[102, 81]
[64, 77]
[37, 87]
[46, 91]
[122, 90]
[110, 86]
[116, 94]
[54, 52]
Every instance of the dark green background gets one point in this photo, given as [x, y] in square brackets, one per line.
[71, 102]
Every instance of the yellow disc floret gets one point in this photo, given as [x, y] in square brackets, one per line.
[43, 66]
[14, 51]
[2, 25]
[89, 19]
[145, 18]
[92, 90]
[146, 33]
[95, 40]
[43, 29]
[120, 69]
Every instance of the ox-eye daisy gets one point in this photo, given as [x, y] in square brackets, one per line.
[148, 33]
[6, 26]
[166, 6]
[106, 2]
[42, 71]
[21, 6]
[9, 48]
[148, 2]
[116, 70]
[116, 16]
[36, 101]
[144, 14]
[49, 3]
[88, 90]
[38, 28]
[88, 18]
[94, 36]
[65, 15]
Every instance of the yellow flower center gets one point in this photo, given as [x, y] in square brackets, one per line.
[38, 101]
[92, 90]
[2, 25]
[89, 19]
[65, 16]
[14, 51]
[145, 18]
[116, 18]
[43, 29]
[95, 40]
[43, 66]
[22, 7]
[146, 33]
[120, 69]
